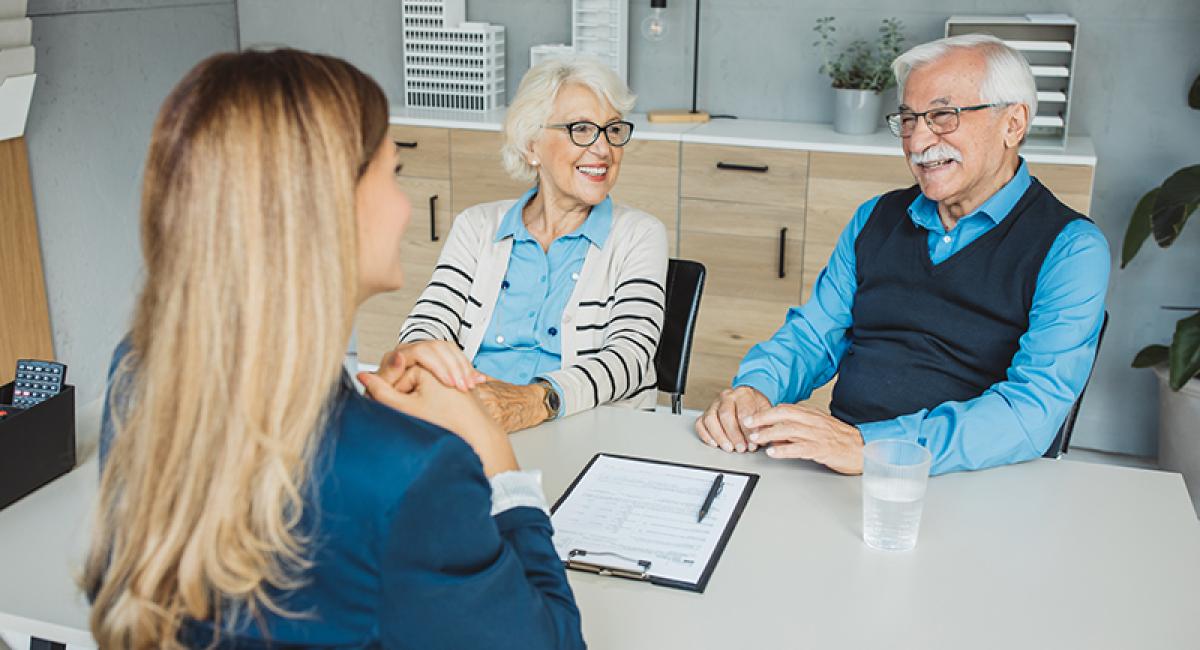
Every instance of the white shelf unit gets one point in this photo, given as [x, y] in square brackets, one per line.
[601, 28]
[450, 63]
[1051, 45]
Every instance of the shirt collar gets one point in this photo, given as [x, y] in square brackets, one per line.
[595, 228]
[924, 211]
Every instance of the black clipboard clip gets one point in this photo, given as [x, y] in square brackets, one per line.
[604, 570]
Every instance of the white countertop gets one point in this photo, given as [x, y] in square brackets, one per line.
[808, 136]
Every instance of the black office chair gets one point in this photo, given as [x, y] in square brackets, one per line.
[1063, 439]
[685, 285]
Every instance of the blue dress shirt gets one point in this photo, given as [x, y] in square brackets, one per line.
[1013, 420]
[522, 341]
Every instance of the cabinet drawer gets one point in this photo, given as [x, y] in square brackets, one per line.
[838, 184]
[746, 174]
[1072, 184]
[476, 172]
[649, 181]
[424, 152]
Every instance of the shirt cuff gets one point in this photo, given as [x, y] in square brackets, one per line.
[517, 489]
[760, 381]
[883, 430]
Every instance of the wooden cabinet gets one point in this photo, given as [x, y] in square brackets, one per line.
[476, 174]
[24, 315]
[1072, 184]
[743, 216]
[763, 221]
[649, 181]
[425, 177]
[424, 151]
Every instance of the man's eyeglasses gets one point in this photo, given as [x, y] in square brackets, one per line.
[583, 134]
[941, 120]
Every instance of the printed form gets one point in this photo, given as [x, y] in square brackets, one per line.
[624, 510]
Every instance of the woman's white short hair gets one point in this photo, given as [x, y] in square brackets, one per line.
[1008, 80]
[531, 108]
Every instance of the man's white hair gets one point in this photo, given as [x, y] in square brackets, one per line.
[1008, 79]
[531, 108]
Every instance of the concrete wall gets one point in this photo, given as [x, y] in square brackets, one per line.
[104, 67]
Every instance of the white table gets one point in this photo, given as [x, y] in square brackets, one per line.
[1040, 555]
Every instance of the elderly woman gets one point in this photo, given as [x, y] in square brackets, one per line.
[555, 298]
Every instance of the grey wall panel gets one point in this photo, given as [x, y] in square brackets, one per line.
[366, 33]
[101, 79]
[52, 7]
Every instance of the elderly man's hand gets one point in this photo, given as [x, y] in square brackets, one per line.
[796, 431]
[721, 425]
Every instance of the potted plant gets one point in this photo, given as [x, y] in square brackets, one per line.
[860, 73]
[1162, 212]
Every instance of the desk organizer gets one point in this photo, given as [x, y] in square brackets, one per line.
[37, 445]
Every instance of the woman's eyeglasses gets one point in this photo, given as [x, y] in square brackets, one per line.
[583, 134]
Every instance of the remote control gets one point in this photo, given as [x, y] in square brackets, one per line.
[9, 411]
[37, 381]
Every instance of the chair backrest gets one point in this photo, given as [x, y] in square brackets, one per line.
[685, 285]
[1063, 439]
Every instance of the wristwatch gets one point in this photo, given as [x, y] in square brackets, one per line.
[552, 401]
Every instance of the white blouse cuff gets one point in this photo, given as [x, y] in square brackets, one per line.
[515, 489]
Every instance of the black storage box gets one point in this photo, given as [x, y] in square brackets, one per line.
[37, 445]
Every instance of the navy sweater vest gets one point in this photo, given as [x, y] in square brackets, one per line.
[925, 334]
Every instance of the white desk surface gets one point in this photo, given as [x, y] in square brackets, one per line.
[1039, 555]
[771, 134]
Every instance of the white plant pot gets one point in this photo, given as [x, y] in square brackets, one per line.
[1179, 432]
[857, 112]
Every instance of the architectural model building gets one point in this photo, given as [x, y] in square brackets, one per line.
[450, 63]
[601, 28]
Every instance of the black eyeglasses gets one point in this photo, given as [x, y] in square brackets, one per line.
[940, 120]
[583, 134]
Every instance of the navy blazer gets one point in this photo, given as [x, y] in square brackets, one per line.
[406, 553]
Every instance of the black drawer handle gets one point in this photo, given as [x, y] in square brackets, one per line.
[735, 167]
[433, 218]
[782, 253]
[405, 145]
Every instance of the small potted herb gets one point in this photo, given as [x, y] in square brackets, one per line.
[860, 73]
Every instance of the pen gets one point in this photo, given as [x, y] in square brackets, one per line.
[718, 483]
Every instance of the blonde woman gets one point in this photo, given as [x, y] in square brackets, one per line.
[250, 497]
[555, 297]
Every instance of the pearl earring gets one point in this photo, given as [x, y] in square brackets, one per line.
[533, 162]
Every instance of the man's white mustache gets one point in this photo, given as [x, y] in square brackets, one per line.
[935, 153]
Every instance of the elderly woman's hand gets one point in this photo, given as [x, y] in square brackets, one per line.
[419, 394]
[513, 407]
[441, 358]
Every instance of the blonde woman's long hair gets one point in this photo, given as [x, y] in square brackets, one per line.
[250, 246]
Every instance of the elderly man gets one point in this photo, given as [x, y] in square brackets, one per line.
[961, 313]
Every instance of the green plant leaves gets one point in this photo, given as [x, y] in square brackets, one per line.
[1151, 355]
[1139, 227]
[1177, 199]
[1194, 94]
[1185, 351]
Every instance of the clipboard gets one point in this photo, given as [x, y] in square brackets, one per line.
[610, 558]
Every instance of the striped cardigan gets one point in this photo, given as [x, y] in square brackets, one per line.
[612, 322]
